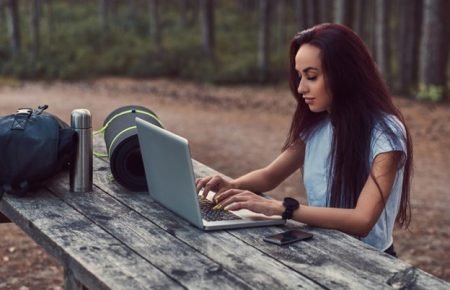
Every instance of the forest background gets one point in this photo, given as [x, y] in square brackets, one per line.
[218, 41]
[224, 62]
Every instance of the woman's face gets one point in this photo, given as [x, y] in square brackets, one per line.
[312, 80]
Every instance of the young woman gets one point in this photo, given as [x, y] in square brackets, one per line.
[347, 136]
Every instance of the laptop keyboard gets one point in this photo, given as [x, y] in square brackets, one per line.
[210, 214]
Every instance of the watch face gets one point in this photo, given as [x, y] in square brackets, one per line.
[290, 203]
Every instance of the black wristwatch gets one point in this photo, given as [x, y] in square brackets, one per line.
[291, 205]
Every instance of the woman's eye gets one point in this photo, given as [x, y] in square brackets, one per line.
[311, 78]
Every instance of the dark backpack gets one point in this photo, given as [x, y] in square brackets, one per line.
[34, 146]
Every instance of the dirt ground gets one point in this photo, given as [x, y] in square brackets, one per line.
[234, 130]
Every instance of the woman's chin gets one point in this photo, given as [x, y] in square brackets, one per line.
[316, 109]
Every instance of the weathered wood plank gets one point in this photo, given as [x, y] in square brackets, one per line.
[163, 248]
[95, 257]
[332, 258]
[361, 260]
[380, 263]
[250, 264]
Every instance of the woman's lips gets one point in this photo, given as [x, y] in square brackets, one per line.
[309, 100]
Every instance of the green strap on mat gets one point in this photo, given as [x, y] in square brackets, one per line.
[103, 129]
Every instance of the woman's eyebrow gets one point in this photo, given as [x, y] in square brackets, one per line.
[309, 68]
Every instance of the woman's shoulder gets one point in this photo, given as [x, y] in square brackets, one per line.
[389, 134]
[389, 123]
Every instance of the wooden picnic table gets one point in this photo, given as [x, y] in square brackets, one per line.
[115, 239]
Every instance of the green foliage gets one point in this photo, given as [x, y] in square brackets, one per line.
[433, 93]
[73, 46]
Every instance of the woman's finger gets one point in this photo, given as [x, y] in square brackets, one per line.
[227, 193]
[236, 206]
[234, 195]
[200, 182]
[211, 185]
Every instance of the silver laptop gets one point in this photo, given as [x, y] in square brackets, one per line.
[171, 182]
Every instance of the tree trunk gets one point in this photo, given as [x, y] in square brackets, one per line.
[245, 6]
[434, 50]
[104, 15]
[312, 12]
[184, 12]
[358, 21]
[325, 11]
[132, 14]
[155, 28]
[2, 11]
[408, 43]
[263, 39]
[343, 12]
[50, 21]
[382, 37]
[113, 10]
[12, 12]
[301, 14]
[35, 8]
[207, 24]
[281, 26]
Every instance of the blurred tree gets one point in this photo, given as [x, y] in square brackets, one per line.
[381, 38]
[368, 27]
[185, 8]
[1, 8]
[12, 15]
[301, 14]
[358, 21]
[325, 11]
[434, 50]
[50, 20]
[35, 10]
[410, 21]
[264, 39]
[312, 11]
[113, 9]
[207, 25]
[281, 24]
[104, 7]
[132, 14]
[155, 27]
[246, 6]
[343, 12]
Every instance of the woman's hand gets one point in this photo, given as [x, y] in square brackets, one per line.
[212, 183]
[236, 199]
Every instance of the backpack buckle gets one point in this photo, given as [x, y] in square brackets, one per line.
[21, 118]
[24, 111]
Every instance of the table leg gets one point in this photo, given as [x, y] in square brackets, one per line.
[72, 283]
[4, 219]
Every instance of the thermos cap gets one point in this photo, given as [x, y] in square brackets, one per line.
[81, 119]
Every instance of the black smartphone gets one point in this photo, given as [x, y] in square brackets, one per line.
[288, 237]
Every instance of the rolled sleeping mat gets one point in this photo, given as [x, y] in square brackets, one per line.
[122, 145]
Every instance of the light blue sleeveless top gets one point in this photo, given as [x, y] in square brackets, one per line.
[317, 167]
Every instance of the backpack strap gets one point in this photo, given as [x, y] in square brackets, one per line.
[19, 190]
[20, 118]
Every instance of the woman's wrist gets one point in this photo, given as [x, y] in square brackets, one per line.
[234, 184]
[277, 207]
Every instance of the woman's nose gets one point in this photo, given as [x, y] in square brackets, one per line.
[301, 87]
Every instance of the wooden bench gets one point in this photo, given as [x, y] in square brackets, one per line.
[115, 239]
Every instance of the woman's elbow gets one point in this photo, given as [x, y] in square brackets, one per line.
[363, 232]
[363, 227]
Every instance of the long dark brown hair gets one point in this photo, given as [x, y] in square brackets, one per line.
[360, 100]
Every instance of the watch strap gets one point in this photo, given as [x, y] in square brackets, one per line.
[290, 205]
